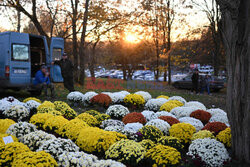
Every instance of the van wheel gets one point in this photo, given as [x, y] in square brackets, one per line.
[35, 92]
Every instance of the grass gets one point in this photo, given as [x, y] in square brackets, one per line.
[217, 99]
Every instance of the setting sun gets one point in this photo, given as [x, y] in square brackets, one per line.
[132, 38]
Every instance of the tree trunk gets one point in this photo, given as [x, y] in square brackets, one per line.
[75, 55]
[92, 61]
[82, 47]
[18, 21]
[236, 38]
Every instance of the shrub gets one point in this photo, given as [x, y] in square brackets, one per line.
[102, 117]
[5, 135]
[65, 109]
[225, 137]
[169, 105]
[134, 117]
[202, 135]
[150, 132]
[171, 141]
[54, 123]
[33, 159]
[39, 119]
[147, 144]
[161, 155]
[101, 99]
[32, 98]
[215, 127]
[183, 131]
[126, 151]
[134, 100]
[20, 129]
[160, 124]
[89, 119]
[17, 113]
[117, 111]
[95, 140]
[202, 115]
[169, 120]
[5, 124]
[92, 112]
[195, 122]
[146, 96]
[162, 96]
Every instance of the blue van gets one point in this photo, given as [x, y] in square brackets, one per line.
[21, 56]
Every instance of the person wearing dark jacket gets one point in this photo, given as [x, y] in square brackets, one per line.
[67, 72]
[42, 81]
[195, 81]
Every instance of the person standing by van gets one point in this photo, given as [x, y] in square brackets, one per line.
[67, 72]
[42, 81]
[205, 84]
[195, 81]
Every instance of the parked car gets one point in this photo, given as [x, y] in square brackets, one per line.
[186, 83]
[21, 56]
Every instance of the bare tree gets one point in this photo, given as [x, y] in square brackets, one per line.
[235, 16]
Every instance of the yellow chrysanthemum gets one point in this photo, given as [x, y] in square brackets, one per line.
[89, 119]
[39, 119]
[202, 134]
[162, 96]
[54, 123]
[32, 98]
[134, 99]
[169, 105]
[225, 137]
[5, 124]
[183, 131]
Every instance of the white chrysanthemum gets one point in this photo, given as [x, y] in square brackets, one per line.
[56, 147]
[160, 124]
[87, 96]
[195, 122]
[195, 104]
[35, 139]
[214, 111]
[179, 98]
[32, 104]
[220, 118]
[68, 159]
[116, 97]
[124, 92]
[75, 96]
[114, 128]
[144, 94]
[20, 129]
[164, 113]
[155, 104]
[149, 115]
[17, 112]
[135, 127]
[108, 163]
[117, 111]
[182, 111]
[112, 122]
[211, 151]
[8, 102]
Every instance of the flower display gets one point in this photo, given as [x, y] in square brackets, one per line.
[111, 122]
[31, 104]
[107, 163]
[124, 92]
[86, 98]
[147, 144]
[178, 98]
[169, 105]
[54, 123]
[72, 128]
[10, 151]
[134, 100]
[225, 137]
[135, 127]
[17, 112]
[101, 99]
[5, 124]
[160, 124]
[149, 115]
[150, 132]
[162, 96]
[8, 102]
[20, 129]
[215, 127]
[92, 112]
[212, 152]
[50, 111]
[155, 104]
[118, 97]
[115, 129]
[134, 117]
[195, 122]
[126, 151]
[75, 96]
[57, 146]
[33, 159]
[202, 115]
[35, 139]
[89, 139]
[202, 135]
[39, 119]
[102, 117]
[5, 135]
[183, 131]
[220, 118]
[214, 111]
[171, 141]
[46, 104]
[182, 111]
[89, 119]
[75, 159]
[170, 120]
[117, 111]
[65, 109]
[144, 94]
[161, 155]
[195, 104]
[163, 113]
[32, 98]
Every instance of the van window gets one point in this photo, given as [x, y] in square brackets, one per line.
[20, 52]
[57, 53]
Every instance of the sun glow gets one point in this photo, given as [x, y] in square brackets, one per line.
[132, 38]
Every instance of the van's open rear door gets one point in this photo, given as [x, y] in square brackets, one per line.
[56, 52]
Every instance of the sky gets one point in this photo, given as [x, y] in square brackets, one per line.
[194, 19]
